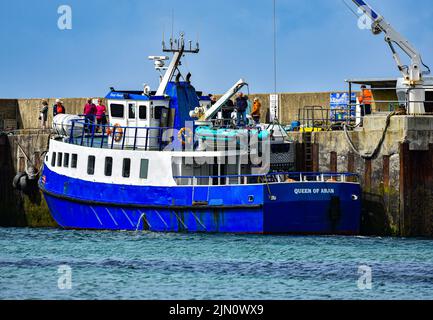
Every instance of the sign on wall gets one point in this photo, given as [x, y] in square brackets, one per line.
[339, 103]
[274, 107]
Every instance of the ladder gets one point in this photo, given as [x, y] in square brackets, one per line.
[308, 151]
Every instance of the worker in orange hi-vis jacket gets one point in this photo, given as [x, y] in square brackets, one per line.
[365, 100]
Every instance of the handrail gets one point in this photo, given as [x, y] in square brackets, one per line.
[297, 174]
[269, 178]
[83, 121]
[89, 135]
[334, 117]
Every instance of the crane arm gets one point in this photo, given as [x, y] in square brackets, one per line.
[211, 112]
[412, 73]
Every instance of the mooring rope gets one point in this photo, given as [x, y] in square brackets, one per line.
[29, 160]
[374, 154]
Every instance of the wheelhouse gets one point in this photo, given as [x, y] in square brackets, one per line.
[139, 118]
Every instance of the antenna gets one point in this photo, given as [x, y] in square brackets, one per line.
[172, 23]
[178, 45]
[163, 36]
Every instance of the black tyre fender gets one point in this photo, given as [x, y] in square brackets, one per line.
[24, 183]
[17, 179]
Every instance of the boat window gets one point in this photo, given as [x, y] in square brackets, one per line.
[91, 165]
[66, 160]
[429, 101]
[59, 159]
[126, 171]
[144, 168]
[142, 112]
[158, 112]
[131, 112]
[53, 160]
[116, 110]
[74, 160]
[108, 166]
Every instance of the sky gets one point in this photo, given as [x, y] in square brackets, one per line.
[319, 44]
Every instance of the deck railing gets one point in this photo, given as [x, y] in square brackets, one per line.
[269, 178]
[336, 118]
[90, 134]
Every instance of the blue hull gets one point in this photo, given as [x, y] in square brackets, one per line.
[289, 208]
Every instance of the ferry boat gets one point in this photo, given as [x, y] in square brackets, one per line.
[168, 162]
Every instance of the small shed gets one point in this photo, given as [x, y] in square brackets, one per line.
[384, 92]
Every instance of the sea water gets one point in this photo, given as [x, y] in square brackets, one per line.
[61, 264]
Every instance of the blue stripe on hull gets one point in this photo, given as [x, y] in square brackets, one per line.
[79, 204]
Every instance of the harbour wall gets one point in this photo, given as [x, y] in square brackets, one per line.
[17, 151]
[24, 113]
[397, 182]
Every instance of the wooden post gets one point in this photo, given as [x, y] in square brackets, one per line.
[404, 222]
[300, 157]
[351, 162]
[386, 173]
[333, 162]
[367, 176]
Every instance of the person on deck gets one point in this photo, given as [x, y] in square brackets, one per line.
[227, 109]
[101, 117]
[241, 108]
[213, 99]
[365, 100]
[58, 108]
[89, 113]
[256, 110]
[43, 117]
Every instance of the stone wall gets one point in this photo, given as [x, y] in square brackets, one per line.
[8, 114]
[28, 110]
[17, 152]
[398, 183]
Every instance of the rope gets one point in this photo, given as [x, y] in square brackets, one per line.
[374, 154]
[268, 187]
[41, 157]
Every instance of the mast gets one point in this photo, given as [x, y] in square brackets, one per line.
[177, 47]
